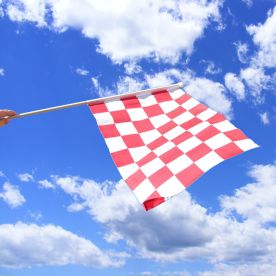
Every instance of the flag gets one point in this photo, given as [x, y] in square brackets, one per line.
[163, 141]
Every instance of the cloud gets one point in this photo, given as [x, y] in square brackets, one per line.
[46, 184]
[12, 196]
[25, 177]
[28, 10]
[257, 81]
[264, 118]
[82, 72]
[242, 51]
[27, 245]
[249, 3]
[2, 71]
[211, 68]
[127, 29]
[235, 85]
[264, 36]
[180, 229]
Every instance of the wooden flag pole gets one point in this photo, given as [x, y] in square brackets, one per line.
[110, 98]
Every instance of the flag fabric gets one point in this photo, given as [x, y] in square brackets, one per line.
[163, 141]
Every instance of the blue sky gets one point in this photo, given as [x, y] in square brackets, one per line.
[64, 209]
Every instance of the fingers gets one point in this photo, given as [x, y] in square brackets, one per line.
[5, 113]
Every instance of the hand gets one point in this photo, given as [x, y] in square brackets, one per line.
[5, 113]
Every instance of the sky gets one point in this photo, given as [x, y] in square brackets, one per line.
[64, 209]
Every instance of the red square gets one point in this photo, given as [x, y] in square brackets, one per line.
[178, 111]
[207, 133]
[235, 135]
[153, 200]
[167, 127]
[134, 180]
[131, 102]
[122, 158]
[120, 116]
[153, 110]
[162, 96]
[133, 140]
[109, 131]
[157, 143]
[143, 125]
[191, 123]
[98, 107]
[171, 155]
[146, 159]
[189, 175]
[198, 152]
[198, 109]
[184, 98]
[161, 176]
[217, 118]
[182, 137]
[228, 151]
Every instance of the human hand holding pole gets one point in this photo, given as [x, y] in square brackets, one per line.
[4, 116]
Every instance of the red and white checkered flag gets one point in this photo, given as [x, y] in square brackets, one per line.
[162, 142]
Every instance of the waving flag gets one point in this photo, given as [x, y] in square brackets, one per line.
[162, 142]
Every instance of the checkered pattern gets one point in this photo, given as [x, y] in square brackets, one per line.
[162, 142]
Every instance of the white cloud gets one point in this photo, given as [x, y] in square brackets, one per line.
[127, 29]
[28, 10]
[211, 68]
[2, 71]
[2, 174]
[12, 196]
[264, 118]
[25, 177]
[28, 245]
[82, 72]
[181, 229]
[257, 81]
[46, 184]
[132, 68]
[235, 85]
[242, 51]
[264, 36]
[249, 3]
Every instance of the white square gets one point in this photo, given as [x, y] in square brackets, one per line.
[138, 153]
[144, 190]
[126, 128]
[189, 144]
[246, 144]
[199, 127]
[104, 118]
[137, 114]
[164, 148]
[190, 103]
[170, 188]
[176, 94]
[115, 144]
[147, 100]
[180, 164]
[183, 118]
[159, 120]
[224, 126]
[152, 167]
[173, 133]
[208, 161]
[206, 114]
[217, 141]
[115, 105]
[150, 136]
[128, 170]
[168, 106]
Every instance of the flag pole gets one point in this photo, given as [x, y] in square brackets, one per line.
[97, 100]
